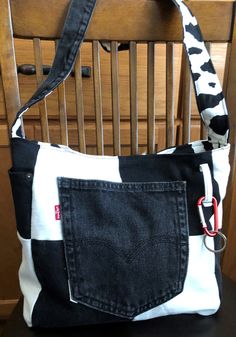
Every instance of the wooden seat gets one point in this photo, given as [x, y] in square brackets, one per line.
[152, 26]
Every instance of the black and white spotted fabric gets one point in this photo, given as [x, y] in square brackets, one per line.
[108, 238]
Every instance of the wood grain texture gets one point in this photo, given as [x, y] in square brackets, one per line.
[186, 99]
[6, 308]
[151, 98]
[7, 63]
[133, 97]
[39, 77]
[61, 92]
[229, 262]
[10, 254]
[115, 97]
[24, 54]
[226, 68]
[79, 104]
[98, 97]
[159, 26]
[169, 94]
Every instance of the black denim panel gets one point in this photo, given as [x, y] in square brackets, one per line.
[126, 244]
[24, 154]
[21, 184]
[53, 307]
[217, 246]
[174, 167]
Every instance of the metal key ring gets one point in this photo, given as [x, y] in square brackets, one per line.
[216, 250]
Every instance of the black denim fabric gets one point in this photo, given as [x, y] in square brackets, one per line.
[24, 154]
[53, 307]
[179, 166]
[21, 183]
[126, 244]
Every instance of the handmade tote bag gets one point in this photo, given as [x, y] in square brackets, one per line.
[121, 238]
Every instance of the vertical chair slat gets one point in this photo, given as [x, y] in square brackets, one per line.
[151, 98]
[8, 65]
[62, 111]
[170, 120]
[203, 130]
[187, 98]
[226, 69]
[179, 129]
[133, 97]
[115, 97]
[39, 78]
[229, 202]
[80, 104]
[98, 97]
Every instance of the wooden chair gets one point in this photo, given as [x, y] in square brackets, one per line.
[133, 22]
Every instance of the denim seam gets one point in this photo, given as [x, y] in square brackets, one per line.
[183, 218]
[101, 185]
[169, 293]
[68, 244]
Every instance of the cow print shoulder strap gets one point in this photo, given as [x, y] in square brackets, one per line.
[209, 95]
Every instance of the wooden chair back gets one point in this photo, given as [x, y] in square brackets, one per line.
[135, 22]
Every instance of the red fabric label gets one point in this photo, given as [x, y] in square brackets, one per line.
[57, 209]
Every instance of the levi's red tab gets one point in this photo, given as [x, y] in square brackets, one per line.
[57, 209]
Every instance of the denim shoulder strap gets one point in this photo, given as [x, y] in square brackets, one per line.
[209, 95]
[76, 23]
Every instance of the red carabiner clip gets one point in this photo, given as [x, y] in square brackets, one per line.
[216, 219]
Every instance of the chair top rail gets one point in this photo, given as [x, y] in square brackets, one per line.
[33, 18]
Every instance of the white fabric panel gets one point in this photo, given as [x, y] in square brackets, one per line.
[200, 294]
[55, 162]
[167, 151]
[204, 168]
[221, 170]
[29, 282]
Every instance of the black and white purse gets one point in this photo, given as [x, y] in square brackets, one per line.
[108, 239]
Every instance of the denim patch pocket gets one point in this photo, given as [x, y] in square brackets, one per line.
[126, 244]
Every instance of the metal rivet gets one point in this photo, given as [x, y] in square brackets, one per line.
[29, 176]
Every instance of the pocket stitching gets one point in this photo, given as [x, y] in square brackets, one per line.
[176, 287]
